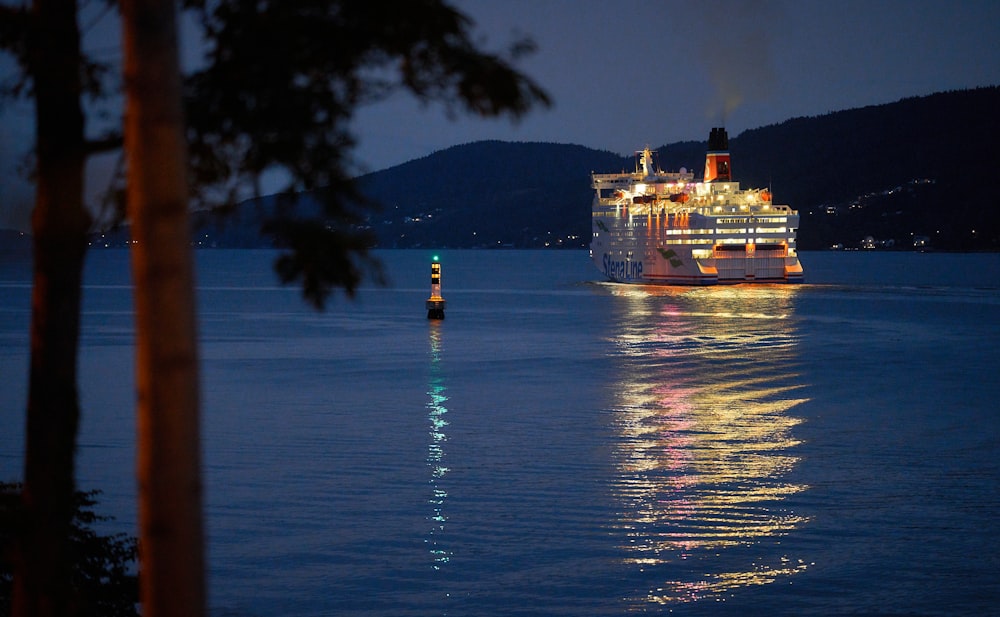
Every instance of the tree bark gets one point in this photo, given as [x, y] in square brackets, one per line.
[169, 457]
[60, 224]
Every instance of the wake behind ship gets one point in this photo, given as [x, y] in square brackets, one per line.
[651, 226]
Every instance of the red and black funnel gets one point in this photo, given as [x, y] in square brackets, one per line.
[717, 166]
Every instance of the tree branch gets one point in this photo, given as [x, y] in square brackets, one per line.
[108, 143]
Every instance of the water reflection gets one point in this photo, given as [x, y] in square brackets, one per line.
[704, 436]
[436, 412]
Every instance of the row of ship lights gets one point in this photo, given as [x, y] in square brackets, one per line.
[701, 191]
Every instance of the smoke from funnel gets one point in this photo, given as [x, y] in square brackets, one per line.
[737, 52]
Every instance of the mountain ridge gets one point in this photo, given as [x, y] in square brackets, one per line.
[880, 175]
[890, 173]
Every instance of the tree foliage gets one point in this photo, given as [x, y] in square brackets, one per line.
[103, 580]
[275, 94]
[281, 83]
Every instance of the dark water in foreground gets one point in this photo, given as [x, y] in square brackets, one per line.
[561, 446]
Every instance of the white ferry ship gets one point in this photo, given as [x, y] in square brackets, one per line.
[651, 226]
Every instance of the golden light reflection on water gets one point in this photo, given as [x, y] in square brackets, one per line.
[706, 385]
[436, 415]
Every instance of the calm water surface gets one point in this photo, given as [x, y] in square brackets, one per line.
[562, 446]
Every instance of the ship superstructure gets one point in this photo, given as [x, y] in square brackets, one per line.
[651, 226]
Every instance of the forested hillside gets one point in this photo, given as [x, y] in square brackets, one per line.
[921, 166]
[918, 168]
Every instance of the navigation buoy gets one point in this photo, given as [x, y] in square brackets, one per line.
[435, 304]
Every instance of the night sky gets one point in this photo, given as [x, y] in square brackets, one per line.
[627, 73]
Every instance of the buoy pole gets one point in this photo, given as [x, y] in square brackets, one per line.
[435, 304]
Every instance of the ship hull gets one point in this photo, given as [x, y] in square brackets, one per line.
[630, 251]
[701, 272]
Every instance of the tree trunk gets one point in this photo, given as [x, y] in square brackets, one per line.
[171, 537]
[60, 224]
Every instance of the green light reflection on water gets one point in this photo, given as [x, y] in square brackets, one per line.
[436, 414]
